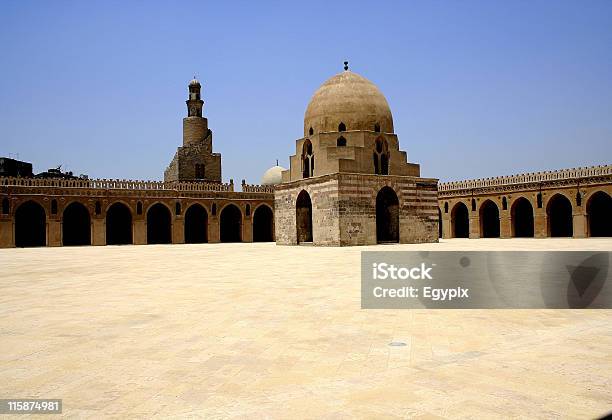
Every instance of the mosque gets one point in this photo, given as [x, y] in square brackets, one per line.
[348, 183]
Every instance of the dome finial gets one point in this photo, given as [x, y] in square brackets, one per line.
[276, 162]
[346, 66]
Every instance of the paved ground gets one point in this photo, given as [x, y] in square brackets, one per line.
[256, 330]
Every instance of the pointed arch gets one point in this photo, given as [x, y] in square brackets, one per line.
[599, 214]
[76, 225]
[522, 218]
[303, 215]
[387, 216]
[30, 225]
[460, 221]
[559, 216]
[489, 220]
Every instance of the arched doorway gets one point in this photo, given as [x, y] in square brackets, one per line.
[387, 216]
[30, 225]
[522, 218]
[76, 225]
[460, 221]
[196, 225]
[118, 225]
[599, 214]
[560, 219]
[263, 225]
[489, 220]
[440, 224]
[231, 224]
[159, 225]
[303, 217]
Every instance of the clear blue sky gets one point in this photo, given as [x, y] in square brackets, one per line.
[477, 88]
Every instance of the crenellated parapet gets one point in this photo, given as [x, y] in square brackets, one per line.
[117, 184]
[253, 188]
[558, 178]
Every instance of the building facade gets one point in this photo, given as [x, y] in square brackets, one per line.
[566, 203]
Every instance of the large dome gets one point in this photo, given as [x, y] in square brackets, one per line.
[350, 99]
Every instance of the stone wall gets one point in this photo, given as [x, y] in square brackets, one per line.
[344, 209]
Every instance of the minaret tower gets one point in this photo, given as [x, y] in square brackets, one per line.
[194, 103]
[195, 160]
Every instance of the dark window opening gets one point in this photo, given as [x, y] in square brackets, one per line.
[30, 225]
[303, 215]
[214, 209]
[177, 208]
[599, 214]
[159, 225]
[341, 142]
[578, 199]
[5, 206]
[377, 128]
[522, 218]
[196, 225]
[387, 216]
[98, 208]
[76, 225]
[310, 132]
[473, 205]
[560, 219]
[53, 206]
[446, 207]
[504, 204]
[263, 224]
[489, 220]
[248, 210]
[231, 224]
[460, 221]
[118, 225]
[539, 200]
[139, 208]
[342, 127]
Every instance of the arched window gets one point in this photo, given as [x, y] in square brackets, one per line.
[5, 206]
[504, 204]
[214, 209]
[139, 208]
[248, 210]
[307, 159]
[539, 200]
[341, 142]
[342, 127]
[381, 157]
[377, 128]
[177, 208]
[578, 199]
[53, 206]
[310, 132]
[473, 205]
[98, 208]
[446, 207]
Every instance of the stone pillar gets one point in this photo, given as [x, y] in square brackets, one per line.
[98, 231]
[474, 225]
[505, 225]
[54, 232]
[7, 239]
[178, 231]
[447, 227]
[247, 229]
[580, 224]
[213, 230]
[139, 228]
[539, 223]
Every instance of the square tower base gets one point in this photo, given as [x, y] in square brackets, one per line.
[356, 209]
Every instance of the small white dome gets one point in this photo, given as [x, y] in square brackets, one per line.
[273, 176]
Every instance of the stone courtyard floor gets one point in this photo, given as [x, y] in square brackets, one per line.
[265, 331]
